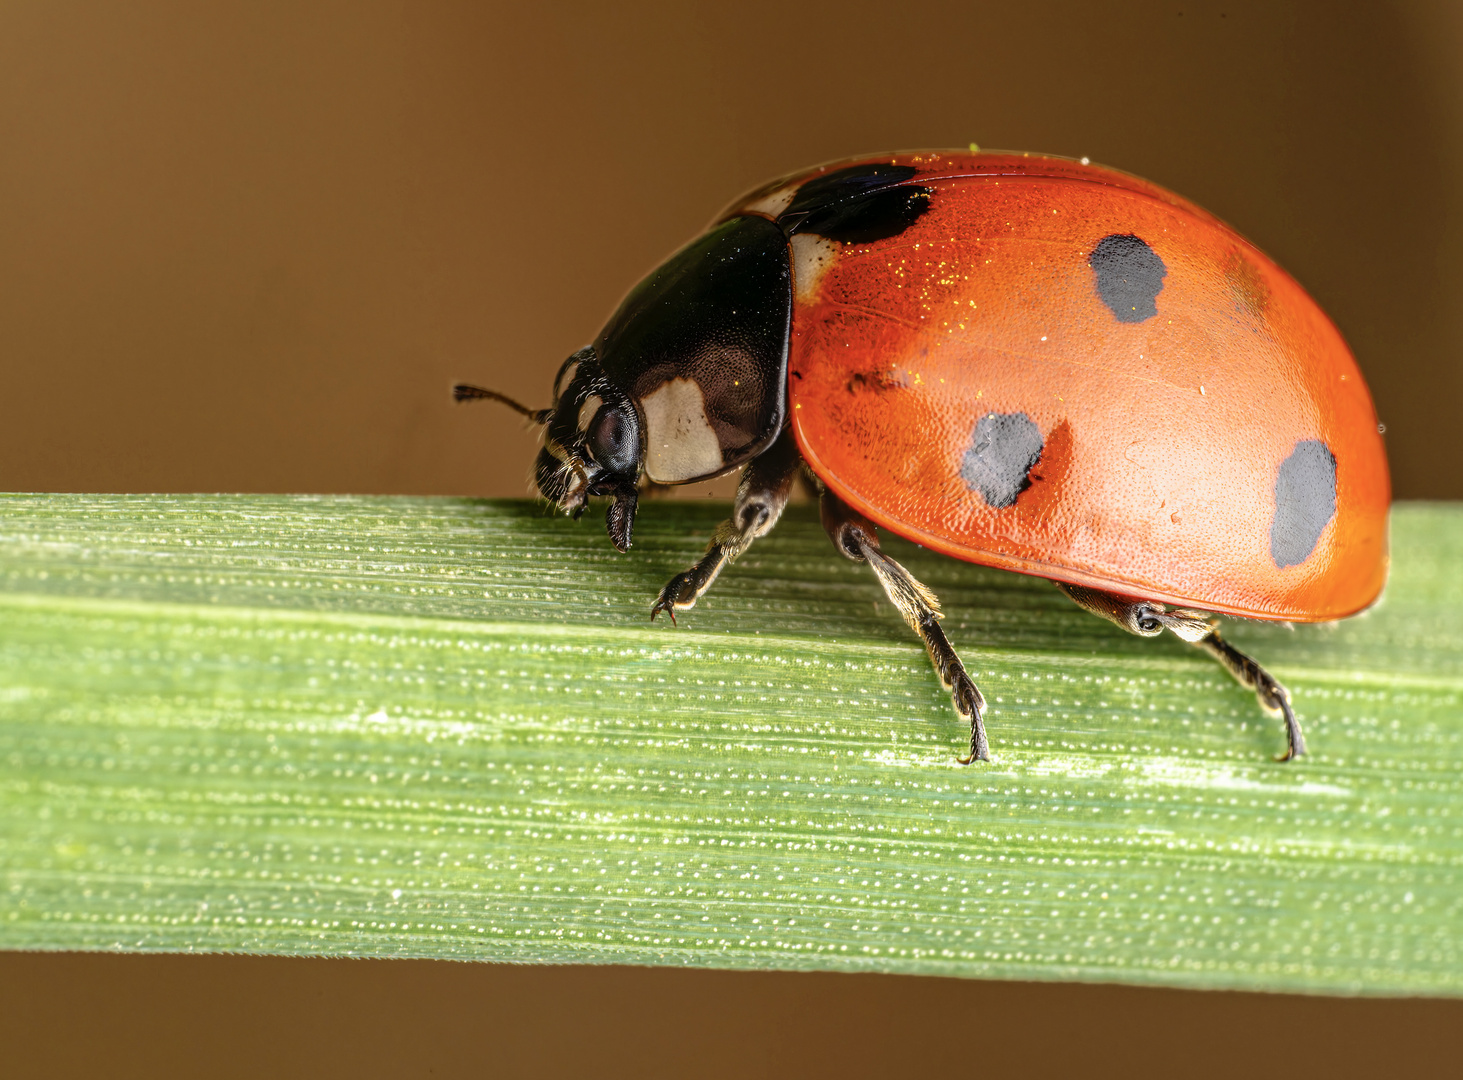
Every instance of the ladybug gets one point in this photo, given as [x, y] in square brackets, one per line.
[1027, 362]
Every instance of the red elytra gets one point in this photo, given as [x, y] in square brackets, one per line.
[1165, 437]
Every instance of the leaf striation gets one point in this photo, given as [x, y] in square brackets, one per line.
[447, 728]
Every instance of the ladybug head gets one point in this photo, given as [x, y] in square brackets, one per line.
[592, 443]
[592, 446]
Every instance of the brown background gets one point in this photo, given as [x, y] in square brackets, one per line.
[248, 246]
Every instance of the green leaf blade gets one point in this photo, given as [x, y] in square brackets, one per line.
[448, 728]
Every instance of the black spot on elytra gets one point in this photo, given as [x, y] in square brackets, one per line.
[1004, 448]
[1129, 276]
[857, 205]
[848, 183]
[1305, 500]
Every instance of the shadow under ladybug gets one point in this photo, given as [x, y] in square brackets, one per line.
[1026, 362]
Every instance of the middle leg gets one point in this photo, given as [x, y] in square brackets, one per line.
[855, 536]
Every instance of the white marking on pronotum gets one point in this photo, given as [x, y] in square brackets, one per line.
[680, 444]
[812, 255]
[588, 409]
[775, 203]
[566, 378]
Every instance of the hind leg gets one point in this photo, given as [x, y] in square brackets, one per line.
[1148, 619]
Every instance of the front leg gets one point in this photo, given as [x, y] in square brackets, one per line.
[761, 498]
[856, 537]
[1147, 618]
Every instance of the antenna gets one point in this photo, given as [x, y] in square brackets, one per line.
[468, 392]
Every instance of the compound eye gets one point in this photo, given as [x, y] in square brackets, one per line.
[614, 440]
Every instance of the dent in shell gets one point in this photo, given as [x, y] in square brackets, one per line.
[680, 443]
[812, 255]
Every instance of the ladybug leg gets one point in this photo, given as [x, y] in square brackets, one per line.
[760, 500]
[1274, 698]
[1148, 619]
[857, 538]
